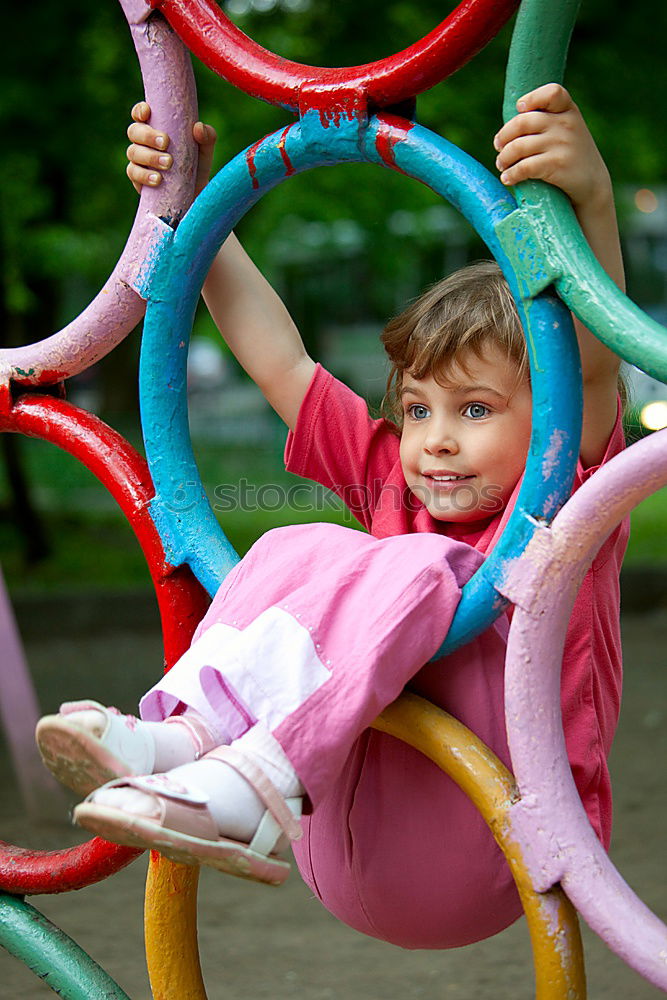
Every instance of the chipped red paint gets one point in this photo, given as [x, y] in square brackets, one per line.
[391, 130]
[182, 603]
[289, 169]
[250, 160]
[348, 101]
[49, 376]
[251, 153]
[5, 399]
[227, 51]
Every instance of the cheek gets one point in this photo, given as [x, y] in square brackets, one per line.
[524, 436]
[406, 449]
[517, 453]
[506, 454]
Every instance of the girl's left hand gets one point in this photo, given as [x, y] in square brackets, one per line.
[549, 141]
[148, 156]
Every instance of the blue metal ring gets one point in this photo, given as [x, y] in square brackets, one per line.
[180, 509]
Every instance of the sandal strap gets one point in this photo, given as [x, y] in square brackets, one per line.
[182, 809]
[156, 784]
[119, 737]
[200, 734]
[269, 834]
[275, 803]
[69, 707]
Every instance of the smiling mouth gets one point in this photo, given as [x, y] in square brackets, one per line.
[446, 477]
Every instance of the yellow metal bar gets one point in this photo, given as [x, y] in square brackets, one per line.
[171, 890]
[170, 926]
[552, 921]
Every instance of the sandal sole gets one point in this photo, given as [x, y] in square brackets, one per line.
[75, 758]
[228, 856]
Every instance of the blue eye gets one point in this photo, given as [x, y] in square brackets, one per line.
[476, 411]
[418, 411]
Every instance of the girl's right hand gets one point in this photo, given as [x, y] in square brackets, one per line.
[148, 154]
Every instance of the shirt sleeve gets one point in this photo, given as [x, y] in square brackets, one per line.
[618, 539]
[615, 445]
[337, 443]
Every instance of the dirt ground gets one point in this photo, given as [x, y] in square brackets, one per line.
[259, 942]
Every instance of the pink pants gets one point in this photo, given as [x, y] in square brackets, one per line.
[315, 632]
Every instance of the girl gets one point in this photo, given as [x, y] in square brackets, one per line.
[319, 627]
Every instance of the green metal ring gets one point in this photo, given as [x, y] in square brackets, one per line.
[543, 238]
[52, 955]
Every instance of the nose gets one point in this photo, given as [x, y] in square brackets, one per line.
[439, 440]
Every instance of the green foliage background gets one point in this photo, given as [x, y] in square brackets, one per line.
[69, 76]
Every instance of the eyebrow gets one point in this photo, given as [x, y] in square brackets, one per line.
[459, 387]
[466, 388]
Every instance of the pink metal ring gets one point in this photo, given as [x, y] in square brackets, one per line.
[228, 51]
[118, 307]
[552, 830]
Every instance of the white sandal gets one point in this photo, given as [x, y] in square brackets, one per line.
[83, 760]
[185, 831]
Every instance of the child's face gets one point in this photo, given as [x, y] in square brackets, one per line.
[464, 443]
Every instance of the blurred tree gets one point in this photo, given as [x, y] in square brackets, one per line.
[346, 245]
[69, 76]
[64, 206]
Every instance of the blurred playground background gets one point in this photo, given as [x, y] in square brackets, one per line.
[345, 246]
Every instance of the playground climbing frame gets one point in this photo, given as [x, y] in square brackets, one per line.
[342, 115]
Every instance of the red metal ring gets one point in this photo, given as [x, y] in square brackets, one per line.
[181, 600]
[225, 49]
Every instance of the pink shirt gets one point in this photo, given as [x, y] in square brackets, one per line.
[337, 444]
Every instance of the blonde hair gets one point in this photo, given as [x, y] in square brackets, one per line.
[463, 313]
